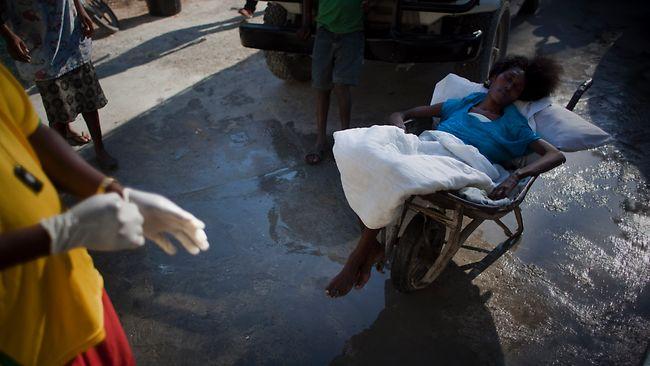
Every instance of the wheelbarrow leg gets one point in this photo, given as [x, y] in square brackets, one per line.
[520, 221]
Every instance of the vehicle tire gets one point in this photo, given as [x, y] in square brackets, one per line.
[495, 43]
[529, 8]
[416, 251]
[102, 15]
[286, 66]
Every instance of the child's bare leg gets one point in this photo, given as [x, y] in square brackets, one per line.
[356, 270]
[345, 104]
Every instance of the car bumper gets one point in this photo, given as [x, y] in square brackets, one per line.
[397, 49]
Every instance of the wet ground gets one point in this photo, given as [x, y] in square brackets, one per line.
[201, 120]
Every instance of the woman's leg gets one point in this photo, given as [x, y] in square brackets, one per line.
[103, 158]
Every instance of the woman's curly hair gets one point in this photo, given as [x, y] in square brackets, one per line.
[542, 74]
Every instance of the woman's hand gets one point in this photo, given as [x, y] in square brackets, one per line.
[87, 27]
[504, 189]
[397, 119]
[17, 49]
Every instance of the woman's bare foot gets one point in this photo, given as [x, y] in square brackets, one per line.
[376, 256]
[356, 271]
[345, 280]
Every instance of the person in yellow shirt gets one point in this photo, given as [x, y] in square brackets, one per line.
[53, 308]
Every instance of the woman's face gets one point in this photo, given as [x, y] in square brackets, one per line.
[506, 87]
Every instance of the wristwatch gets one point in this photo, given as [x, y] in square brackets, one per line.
[107, 181]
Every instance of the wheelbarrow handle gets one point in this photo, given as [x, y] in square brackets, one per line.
[578, 94]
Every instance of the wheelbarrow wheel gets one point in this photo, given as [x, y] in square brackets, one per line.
[416, 251]
[286, 66]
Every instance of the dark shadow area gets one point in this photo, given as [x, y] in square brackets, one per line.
[446, 324]
[491, 256]
[163, 45]
[619, 101]
[127, 23]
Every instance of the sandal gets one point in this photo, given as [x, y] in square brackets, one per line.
[314, 158]
[76, 139]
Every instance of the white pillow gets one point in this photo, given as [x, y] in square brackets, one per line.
[562, 128]
[566, 130]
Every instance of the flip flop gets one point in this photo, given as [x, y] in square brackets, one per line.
[76, 139]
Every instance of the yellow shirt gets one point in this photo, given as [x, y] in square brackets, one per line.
[50, 308]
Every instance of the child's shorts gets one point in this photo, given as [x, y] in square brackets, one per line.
[336, 59]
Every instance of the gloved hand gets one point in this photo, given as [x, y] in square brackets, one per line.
[103, 222]
[164, 216]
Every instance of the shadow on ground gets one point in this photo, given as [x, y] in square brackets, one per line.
[163, 45]
[446, 324]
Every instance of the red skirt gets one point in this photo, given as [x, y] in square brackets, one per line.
[114, 350]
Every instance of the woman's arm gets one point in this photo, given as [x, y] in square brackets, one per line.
[398, 118]
[65, 167]
[550, 158]
[23, 245]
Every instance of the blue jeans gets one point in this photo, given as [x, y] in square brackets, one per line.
[336, 59]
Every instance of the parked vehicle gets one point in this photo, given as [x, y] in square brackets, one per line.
[471, 33]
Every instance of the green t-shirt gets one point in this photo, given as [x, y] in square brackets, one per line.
[340, 16]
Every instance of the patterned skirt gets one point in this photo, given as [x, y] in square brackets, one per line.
[77, 91]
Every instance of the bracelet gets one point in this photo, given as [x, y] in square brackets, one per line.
[107, 181]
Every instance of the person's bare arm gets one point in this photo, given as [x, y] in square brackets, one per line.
[86, 23]
[16, 48]
[305, 30]
[23, 245]
[550, 158]
[429, 111]
[65, 167]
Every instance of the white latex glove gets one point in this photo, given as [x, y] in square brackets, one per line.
[104, 222]
[163, 216]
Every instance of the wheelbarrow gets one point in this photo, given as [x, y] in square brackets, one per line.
[432, 228]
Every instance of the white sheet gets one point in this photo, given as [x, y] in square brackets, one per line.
[382, 166]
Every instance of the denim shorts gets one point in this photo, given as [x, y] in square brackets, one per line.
[336, 59]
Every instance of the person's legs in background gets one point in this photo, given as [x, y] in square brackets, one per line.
[321, 78]
[347, 72]
[344, 99]
[73, 93]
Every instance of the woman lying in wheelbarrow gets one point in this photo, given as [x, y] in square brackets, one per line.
[488, 121]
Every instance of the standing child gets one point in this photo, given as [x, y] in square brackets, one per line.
[51, 42]
[336, 60]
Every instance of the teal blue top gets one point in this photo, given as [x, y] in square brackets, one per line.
[500, 140]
